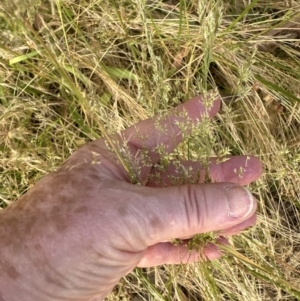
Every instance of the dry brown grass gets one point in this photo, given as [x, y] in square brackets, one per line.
[67, 65]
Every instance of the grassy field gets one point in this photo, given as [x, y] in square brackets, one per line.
[70, 69]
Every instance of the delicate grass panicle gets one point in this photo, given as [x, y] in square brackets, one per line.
[72, 71]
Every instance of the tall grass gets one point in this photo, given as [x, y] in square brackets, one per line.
[72, 71]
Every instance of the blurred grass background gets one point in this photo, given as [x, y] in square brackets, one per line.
[66, 65]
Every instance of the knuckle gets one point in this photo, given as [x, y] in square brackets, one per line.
[195, 208]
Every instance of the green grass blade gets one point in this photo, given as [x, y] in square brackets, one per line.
[241, 16]
[22, 58]
[278, 89]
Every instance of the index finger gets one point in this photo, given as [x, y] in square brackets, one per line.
[166, 131]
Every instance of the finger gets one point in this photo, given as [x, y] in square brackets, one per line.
[186, 210]
[237, 229]
[239, 169]
[138, 147]
[168, 253]
[166, 132]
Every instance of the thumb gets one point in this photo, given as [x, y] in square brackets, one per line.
[183, 211]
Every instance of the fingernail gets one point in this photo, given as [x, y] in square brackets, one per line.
[240, 201]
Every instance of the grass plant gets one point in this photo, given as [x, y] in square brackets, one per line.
[75, 70]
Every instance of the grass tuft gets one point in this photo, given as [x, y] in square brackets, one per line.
[72, 71]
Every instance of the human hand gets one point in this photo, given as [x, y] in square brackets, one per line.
[83, 227]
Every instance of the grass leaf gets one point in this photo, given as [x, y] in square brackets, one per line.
[24, 57]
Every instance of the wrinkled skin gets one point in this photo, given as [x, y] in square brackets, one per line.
[83, 227]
